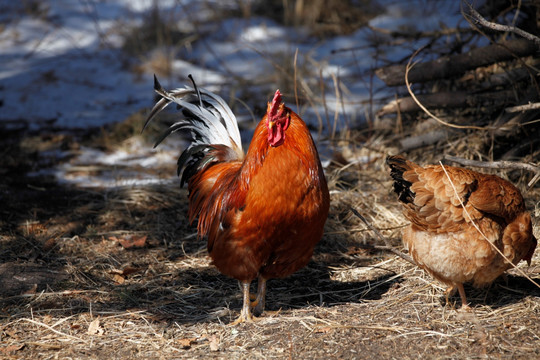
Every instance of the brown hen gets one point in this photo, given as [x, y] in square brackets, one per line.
[459, 218]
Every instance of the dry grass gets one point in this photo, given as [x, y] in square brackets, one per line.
[321, 18]
[165, 300]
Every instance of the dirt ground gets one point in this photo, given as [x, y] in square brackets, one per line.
[119, 273]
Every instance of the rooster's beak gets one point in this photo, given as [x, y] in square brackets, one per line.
[271, 124]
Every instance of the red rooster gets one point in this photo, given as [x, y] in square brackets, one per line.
[263, 212]
[459, 218]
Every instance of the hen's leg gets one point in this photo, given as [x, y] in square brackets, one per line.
[464, 305]
[258, 304]
[448, 292]
[245, 314]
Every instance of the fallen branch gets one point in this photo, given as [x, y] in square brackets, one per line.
[388, 246]
[417, 34]
[478, 19]
[425, 139]
[455, 65]
[501, 164]
[526, 107]
[447, 100]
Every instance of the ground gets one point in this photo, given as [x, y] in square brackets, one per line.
[119, 273]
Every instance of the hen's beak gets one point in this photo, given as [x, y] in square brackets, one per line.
[271, 124]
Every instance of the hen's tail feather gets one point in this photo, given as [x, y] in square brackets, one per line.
[398, 165]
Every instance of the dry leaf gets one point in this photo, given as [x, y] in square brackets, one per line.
[214, 343]
[186, 343]
[119, 279]
[119, 276]
[324, 329]
[131, 241]
[49, 244]
[129, 270]
[11, 348]
[30, 291]
[94, 328]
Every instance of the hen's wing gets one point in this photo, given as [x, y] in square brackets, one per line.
[433, 198]
[497, 197]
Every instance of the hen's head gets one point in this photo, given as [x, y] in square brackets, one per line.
[278, 119]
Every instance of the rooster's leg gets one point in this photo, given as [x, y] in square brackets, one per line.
[464, 305]
[258, 304]
[245, 314]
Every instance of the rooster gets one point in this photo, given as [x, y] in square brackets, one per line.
[263, 212]
[460, 221]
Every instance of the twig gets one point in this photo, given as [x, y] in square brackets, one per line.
[471, 220]
[407, 69]
[58, 293]
[526, 107]
[53, 330]
[414, 34]
[295, 80]
[388, 246]
[503, 28]
[501, 164]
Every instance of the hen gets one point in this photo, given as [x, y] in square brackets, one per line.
[264, 211]
[454, 237]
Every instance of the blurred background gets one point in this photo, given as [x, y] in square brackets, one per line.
[80, 67]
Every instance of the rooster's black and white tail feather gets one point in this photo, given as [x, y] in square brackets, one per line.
[208, 118]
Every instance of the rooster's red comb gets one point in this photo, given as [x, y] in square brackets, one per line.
[274, 106]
